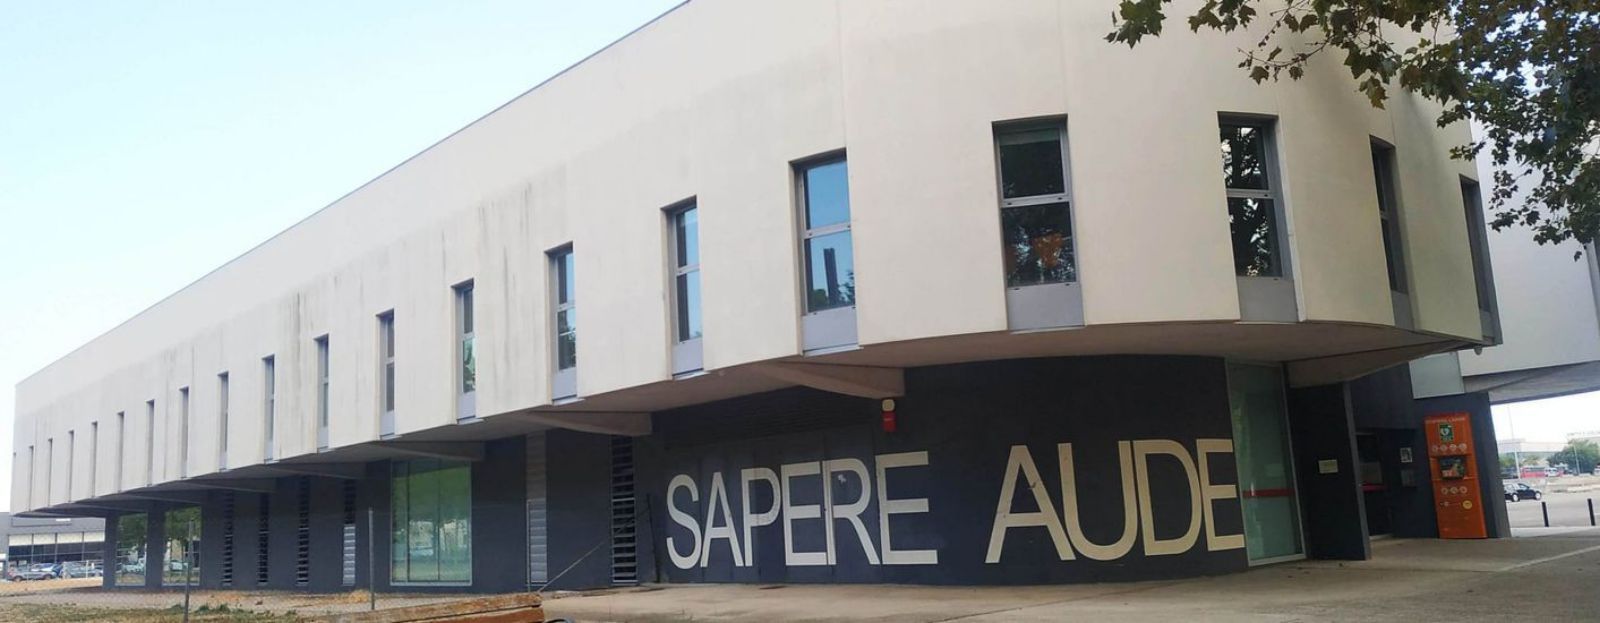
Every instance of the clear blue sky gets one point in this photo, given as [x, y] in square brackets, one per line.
[143, 143]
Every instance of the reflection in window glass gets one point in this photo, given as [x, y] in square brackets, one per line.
[182, 561]
[469, 359]
[830, 264]
[130, 564]
[830, 278]
[1031, 163]
[686, 274]
[566, 339]
[561, 263]
[1394, 252]
[1252, 199]
[432, 522]
[1038, 244]
[1261, 451]
[386, 341]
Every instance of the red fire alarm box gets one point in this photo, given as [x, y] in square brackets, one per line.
[1458, 498]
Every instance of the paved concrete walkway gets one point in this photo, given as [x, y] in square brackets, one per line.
[1553, 577]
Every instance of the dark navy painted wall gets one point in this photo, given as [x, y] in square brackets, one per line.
[967, 418]
[579, 482]
[499, 518]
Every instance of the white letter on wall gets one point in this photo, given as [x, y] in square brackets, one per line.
[887, 507]
[792, 512]
[1069, 506]
[1142, 449]
[683, 519]
[1022, 461]
[715, 501]
[764, 518]
[1211, 493]
[850, 512]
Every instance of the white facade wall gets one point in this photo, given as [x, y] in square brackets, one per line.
[713, 101]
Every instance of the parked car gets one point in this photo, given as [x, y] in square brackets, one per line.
[78, 569]
[1521, 491]
[38, 572]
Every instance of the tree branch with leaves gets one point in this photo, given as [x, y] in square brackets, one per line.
[1527, 71]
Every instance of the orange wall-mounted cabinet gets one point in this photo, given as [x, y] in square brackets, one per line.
[1453, 459]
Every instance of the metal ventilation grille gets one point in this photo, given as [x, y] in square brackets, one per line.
[348, 568]
[302, 535]
[624, 539]
[262, 530]
[538, 513]
[227, 539]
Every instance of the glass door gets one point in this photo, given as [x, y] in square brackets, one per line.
[1266, 470]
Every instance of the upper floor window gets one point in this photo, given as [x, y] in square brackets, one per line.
[149, 442]
[1482, 276]
[830, 262]
[1035, 205]
[1389, 214]
[386, 356]
[183, 432]
[269, 408]
[561, 265]
[1254, 199]
[222, 420]
[686, 271]
[465, 339]
[322, 392]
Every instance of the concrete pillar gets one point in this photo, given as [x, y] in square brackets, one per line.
[1322, 427]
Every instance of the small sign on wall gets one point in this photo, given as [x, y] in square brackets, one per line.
[1405, 455]
[1328, 466]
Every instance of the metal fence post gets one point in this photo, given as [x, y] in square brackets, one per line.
[1544, 507]
[372, 577]
[1591, 512]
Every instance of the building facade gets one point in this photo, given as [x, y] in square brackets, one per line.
[810, 292]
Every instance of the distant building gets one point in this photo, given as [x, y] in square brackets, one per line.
[1591, 436]
[32, 540]
[1526, 446]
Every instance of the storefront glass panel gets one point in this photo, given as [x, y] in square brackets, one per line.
[1266, 473]
[432, 526]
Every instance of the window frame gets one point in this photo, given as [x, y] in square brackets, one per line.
[222, 420]
[681, 268]
[183, 432]
[466, 325]
[1283, 264]
[388, 400]
[1059, 126]
[1386, 182]
[324, 386]
[269, 407]
[150, 442]
[799, 169]
[561, 261]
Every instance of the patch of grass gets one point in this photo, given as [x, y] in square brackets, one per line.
[58, 613]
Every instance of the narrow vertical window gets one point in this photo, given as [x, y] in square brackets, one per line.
[1035, 206]
[1482, 271]
[183, 432]
[829, 257]
[149, 442]
[686, 271]
[49, 467]
[566, 310]
[94, 456]
[222, 421]
[322, 393]
[122, 449]
[1388, 212]
[1254, 198]
[269, 408]
[466, 353]
[33, 473]
[72, 454]
[386, 373]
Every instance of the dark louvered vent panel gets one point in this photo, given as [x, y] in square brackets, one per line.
[624, 535]
[348, 567]
[774, 413]
[262, 530]
[227, 539]
[302, 534]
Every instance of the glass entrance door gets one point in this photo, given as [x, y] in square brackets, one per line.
[1266, 471]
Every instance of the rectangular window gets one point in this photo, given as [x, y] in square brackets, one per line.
[132, 530]
[1254, 197]
[1477, 239]
[561, 264]
[269, 407]
[122, 449]
[183, 432]
[465, 339]
[1035, 205]
[49, 469]
[686, 271]
[829, 254]
[322, 392]
[431, 530]
[1389, 213]
[72, 450]
[222, 421]
[149, 442]
[386, 355]
[33, 474]
[94, 456]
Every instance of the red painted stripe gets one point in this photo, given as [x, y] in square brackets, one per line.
[1269, 493]
[1371, 487]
